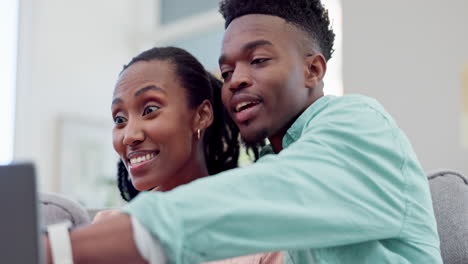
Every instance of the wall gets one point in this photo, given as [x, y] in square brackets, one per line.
[70, 53]
[409, 55]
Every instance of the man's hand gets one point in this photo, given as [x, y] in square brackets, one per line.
[96, 243]
[48, 250]
[105, 214]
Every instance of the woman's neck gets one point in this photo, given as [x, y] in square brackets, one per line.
[194, 169]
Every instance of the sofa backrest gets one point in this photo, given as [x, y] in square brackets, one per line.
[449, 196]
[56, 208]
[450, 199]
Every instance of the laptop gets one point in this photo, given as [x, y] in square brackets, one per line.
[20, 237]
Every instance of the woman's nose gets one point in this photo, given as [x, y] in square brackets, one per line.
[133, 134]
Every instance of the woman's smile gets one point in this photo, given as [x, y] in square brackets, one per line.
[139, 161]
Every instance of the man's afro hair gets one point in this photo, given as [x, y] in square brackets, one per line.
[308, 15]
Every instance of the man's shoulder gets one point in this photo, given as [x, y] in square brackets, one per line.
[354, 100]
[346, 106]
[348, 113]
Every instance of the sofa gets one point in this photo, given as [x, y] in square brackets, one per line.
[56, 208]
[449, 191]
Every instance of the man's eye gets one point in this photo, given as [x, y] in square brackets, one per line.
[150, 109]
[119, 120]
[260, 60]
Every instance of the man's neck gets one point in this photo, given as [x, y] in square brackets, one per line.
[276, 143]
[276, 140]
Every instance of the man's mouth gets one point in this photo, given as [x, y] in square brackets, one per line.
[245, 105]
[246, 111]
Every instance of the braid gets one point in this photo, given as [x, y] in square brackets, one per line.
[222, 137]
[222, 149]
[127, 191]
[254, 148]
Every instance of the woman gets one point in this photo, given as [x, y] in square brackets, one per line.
[163, 109]
[171, 127]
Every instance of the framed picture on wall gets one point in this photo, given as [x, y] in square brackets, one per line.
[87, 162]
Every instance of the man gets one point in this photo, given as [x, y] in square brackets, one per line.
[340, 182]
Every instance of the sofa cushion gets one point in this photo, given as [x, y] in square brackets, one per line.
[450, 199]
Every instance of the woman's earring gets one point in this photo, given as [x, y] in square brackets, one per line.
[198, 134]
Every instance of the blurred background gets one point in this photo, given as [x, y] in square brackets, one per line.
[59, 61]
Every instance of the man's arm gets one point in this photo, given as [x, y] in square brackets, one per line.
[340, 183]
[107, 241]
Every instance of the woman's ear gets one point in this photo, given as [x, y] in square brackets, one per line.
[203, 117]
[315, 68]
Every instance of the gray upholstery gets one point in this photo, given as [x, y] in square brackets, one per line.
[450, 198]
[56, 208]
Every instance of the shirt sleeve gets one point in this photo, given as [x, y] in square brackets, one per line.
[148, 246]
[340, 183]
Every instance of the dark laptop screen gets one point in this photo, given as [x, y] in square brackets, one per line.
[19, 227]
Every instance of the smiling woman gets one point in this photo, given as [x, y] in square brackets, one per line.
[155, 132]
[170, 127]
[8, 40]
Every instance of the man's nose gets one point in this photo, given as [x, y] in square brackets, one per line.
[240, 79]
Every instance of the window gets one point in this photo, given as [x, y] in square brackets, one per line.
[205, 33]
[174, 10]
[8, 43]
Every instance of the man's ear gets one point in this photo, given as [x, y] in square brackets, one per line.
[315, 68]
[203, 117]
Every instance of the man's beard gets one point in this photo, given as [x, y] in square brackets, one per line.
[258, 140]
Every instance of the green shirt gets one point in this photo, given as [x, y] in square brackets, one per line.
[346, 188]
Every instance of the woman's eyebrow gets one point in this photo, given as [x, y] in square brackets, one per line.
[116, 101]
[143, 90]
[149, 88]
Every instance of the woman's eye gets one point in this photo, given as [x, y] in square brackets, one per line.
[150, 109]
[225, 75]
[119, 120]
[260, 60]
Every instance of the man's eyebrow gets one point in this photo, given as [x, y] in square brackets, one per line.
[149, 88]
[246, 47]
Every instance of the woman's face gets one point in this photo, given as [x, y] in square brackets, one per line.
[153, 132]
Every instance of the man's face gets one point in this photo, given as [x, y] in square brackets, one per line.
[264, 76]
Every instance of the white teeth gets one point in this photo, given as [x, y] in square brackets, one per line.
[240, 105]
[142, 158]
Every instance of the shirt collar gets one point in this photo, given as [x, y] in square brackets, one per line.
[295, 131]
